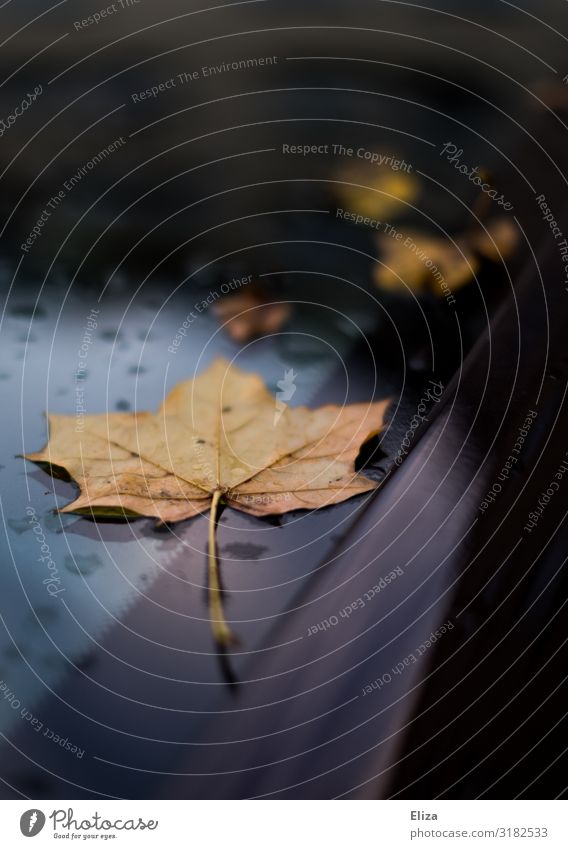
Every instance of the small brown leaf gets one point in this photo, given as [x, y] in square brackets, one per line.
[421, 262]
[250, 313]
[497, 241]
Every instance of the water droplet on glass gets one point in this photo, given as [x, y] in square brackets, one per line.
[244, 550]
[20, 526]
[111, 335]
[12, 653]
[83, 564]
[27, 311]
[46, 615]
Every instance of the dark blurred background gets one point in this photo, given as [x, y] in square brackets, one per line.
[198, 191]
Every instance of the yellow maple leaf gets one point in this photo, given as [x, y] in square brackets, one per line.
[219, 439]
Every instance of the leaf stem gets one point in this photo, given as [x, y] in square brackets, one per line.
[221, 631]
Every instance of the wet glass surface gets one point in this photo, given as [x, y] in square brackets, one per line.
[67, 581]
